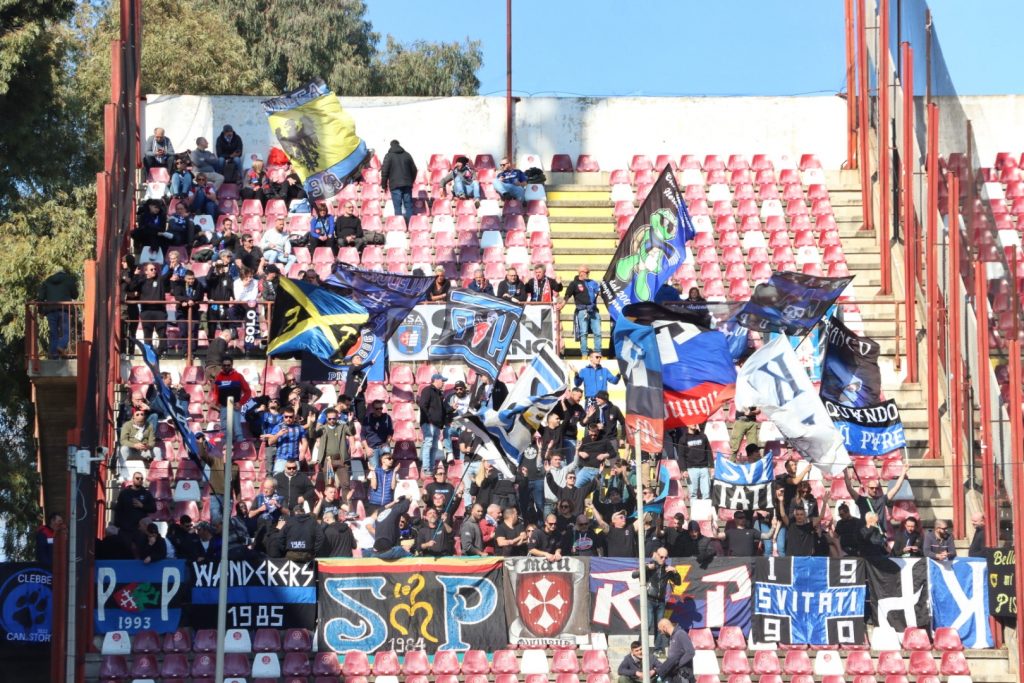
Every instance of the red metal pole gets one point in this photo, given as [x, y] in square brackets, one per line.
[956, 366]
[932, 283]
[884, 159]
[851, 86]
[1017, 470]
[910, 254]
[863, 126]
[508, 82]
[988, 479]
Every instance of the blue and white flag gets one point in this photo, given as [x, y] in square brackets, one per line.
[959, 597]
[180, 421]
[478, 330]
[744, 486]
[529, 400]
[871, 430]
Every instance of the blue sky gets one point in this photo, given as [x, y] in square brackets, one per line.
[692, 47]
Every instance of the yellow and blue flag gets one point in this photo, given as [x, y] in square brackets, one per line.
[323, 323]
[319, 137]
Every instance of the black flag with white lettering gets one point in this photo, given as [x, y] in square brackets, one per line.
[898, 592]
[849, 372]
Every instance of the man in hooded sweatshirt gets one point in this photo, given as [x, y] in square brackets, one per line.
[398, 173]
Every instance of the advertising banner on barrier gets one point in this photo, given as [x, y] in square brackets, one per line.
[425, 324]
[411, 604]
[265, 594]
[26, 608]
[813, 600]
[134, 596]
[546, 603]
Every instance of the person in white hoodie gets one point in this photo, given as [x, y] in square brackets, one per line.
[276, 247]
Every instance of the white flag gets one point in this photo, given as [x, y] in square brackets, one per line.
[773, 380]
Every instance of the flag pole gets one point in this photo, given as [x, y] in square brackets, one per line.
[225, 523]
[644, 626]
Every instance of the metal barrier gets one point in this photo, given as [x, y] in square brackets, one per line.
[52, 330]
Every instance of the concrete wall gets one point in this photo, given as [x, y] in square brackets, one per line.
[611, 129]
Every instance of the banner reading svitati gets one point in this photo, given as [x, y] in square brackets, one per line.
[547, 603]
[411, 604]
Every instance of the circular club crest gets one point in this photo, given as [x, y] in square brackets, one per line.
[26, 599]
[411, 335]
[362, 348]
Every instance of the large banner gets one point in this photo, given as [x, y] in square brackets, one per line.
[774, 380]
[546, 603]
[26, 608]
[959, 597]
[850, 373]
[652, 248]
[747, 486]
[411, 604]
[319, 321]
[790, 303]
[813, 600]
[134, 596]
[318, 136]
[1002, 588]
[423, 326]
[264, 594]
[898, 593]
[711, 596]
[872, 430]
[478, 330]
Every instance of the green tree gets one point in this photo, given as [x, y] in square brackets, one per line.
[425, 69]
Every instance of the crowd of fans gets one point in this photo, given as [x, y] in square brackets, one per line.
[333, 482]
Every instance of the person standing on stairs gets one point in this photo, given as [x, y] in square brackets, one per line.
[584, 292]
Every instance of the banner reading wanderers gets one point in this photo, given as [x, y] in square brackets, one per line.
[264, 594]
[546, 603]
[410, 604]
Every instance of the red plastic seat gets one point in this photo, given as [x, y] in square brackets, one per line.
[731, 637]
[144, 666]
[418, 678]
[505, 662]
[896, 678]
[797, 662]
[565, 662]
[947, 639]
[915, 638]
[446, 663]
[563, 678]
[175, 665]
[204, 664]
[641, 162]
[326, 664]
[356, 664]
[385, 663]
[587, 164]
[416, 663]
[475, 662]
[113, 668]
[145, 642]
[561, 163]
[295, 664]
[922, 664]
[177, 642]
[766, 662]
[595, 662]
[701, 638]
[954, 663]
[735, 662]
[859, 662]
[206, 638]
[891, 662]
[236, 665]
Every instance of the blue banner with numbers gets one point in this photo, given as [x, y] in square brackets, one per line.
[262, 594]
[812, 600]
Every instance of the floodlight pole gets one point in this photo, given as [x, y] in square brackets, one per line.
[225, 524]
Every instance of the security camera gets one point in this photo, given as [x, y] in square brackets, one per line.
[102, 451]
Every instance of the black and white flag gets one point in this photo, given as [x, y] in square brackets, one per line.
[898, 593]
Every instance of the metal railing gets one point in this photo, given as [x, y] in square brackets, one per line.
[53, 330]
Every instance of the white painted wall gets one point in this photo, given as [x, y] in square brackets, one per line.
[612, 129]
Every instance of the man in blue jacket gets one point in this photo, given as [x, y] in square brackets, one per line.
[595, 378]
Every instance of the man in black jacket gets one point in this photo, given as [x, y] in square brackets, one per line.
[659, 576]
[433, 418]
[606, 414]
[338, 537]
[229, 149]
[695, 456]
[398, 173]
[189, 293]
[302, 537]
[295, 487]
[631, 670]
[678, 664]
[134, 503]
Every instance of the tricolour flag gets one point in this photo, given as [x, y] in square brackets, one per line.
[773, 380]
[318, 136]
[639, 362]
[697, 372]
[652, 248]
[314, 319]
[478, 330]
